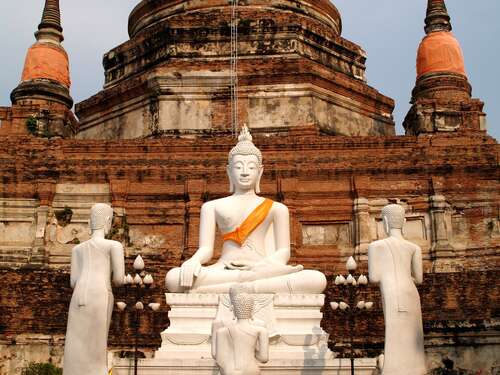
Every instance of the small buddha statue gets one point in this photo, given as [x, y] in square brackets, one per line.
[396, 264]
[238, 346]
[256, 232]
[94, 264]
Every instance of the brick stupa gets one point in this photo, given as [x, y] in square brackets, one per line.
[294, 68]
[441, 100]
[43, 96]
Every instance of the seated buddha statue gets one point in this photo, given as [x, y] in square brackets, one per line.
[256, 233]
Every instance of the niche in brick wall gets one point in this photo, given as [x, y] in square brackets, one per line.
[328, 237]
[17, 230]
[67, 219]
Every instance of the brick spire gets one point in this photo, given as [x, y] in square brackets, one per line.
[51, 15]
[437, 18]
[50, 27]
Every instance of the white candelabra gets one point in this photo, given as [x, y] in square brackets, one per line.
[351, 304]
[138, 285]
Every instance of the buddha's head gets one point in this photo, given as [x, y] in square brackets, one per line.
[393, 217]
[101, 217]
[242, 302]
[244, 167]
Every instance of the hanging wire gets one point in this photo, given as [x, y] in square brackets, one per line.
[234, 67]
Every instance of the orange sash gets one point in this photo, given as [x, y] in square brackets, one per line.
[240, 234]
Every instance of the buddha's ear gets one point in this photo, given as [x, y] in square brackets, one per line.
[231, 185]
[386, 224]
[257, 185]
[107, 224]
[90, 229]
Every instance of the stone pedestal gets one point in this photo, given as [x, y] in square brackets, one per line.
[298, 344]
[293, 322]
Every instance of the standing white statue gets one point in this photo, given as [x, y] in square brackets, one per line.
[237, 347]
[397, 265]
[256, 232]
[92, 264]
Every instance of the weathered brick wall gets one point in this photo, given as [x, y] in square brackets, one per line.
[157, 187]
[455, 306]
[37, 301]
[452, 304]
[51, 119]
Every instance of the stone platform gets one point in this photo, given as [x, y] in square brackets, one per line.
[298, 344]
[337, 366]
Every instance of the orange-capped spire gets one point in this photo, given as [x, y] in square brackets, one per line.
[439, 51]
[47, 59]
[46, 67]
[441, 99]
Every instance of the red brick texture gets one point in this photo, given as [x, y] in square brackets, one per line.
[162, 183]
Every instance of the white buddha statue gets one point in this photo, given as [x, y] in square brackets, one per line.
[94, 263]
[256, 232]
[397, 265]
[240, 345]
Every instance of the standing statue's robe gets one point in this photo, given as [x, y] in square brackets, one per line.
[89, 317]
[390, 262]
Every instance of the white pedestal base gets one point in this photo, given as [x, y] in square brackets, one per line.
[298, 344]
[293, 322]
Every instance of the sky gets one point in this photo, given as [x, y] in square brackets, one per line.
[388, 30]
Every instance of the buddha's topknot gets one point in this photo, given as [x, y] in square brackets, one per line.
[245, 146]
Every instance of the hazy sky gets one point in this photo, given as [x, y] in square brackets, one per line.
[388, 30]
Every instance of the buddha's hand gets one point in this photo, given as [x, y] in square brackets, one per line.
[241, 265]
[269, 268]
[189, 270]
